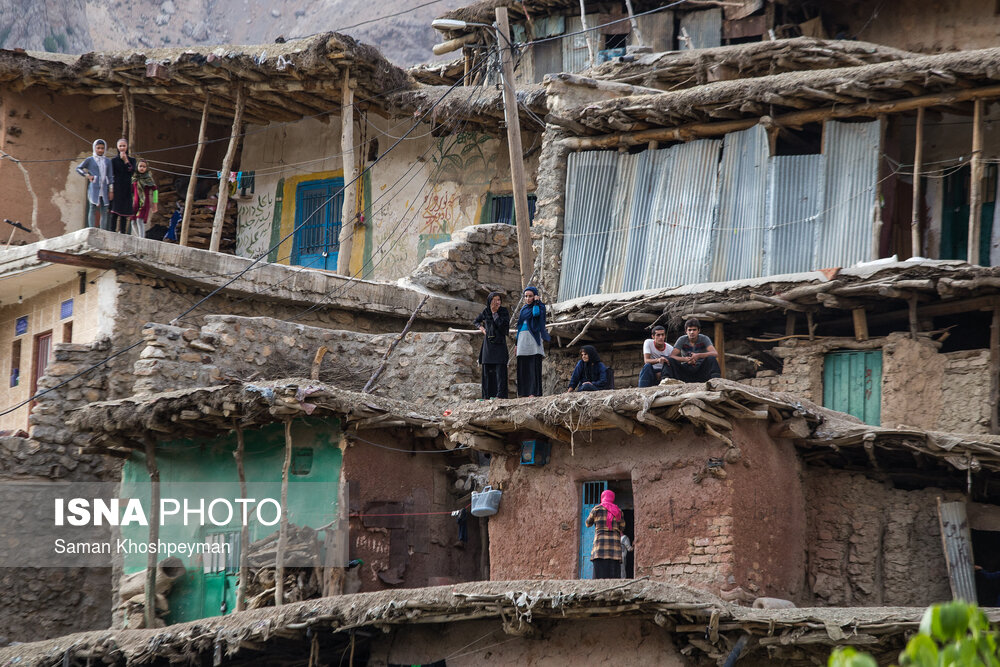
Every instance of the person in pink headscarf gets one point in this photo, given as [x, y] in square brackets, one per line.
[609, 522]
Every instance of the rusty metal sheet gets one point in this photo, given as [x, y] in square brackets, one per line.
[852, 156]
[738, 240]
[657, 31]
[738, 9]
[752, 26]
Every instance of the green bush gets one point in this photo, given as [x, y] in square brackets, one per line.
[953, 634]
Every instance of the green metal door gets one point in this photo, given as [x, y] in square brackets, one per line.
[955, 216]
[852, 383]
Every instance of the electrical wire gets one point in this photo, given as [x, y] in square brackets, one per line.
[256, 261]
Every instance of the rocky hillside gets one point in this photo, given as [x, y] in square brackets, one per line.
[76, 26]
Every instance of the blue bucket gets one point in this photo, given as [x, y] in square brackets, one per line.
[486, 502]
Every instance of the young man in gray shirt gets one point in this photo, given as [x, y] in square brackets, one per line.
[694, 358]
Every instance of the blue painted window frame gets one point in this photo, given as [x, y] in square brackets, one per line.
[330, 242]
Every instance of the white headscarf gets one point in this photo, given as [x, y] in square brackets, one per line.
[102, 164]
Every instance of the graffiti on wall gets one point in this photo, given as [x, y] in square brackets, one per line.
[460, 175]
[254, 230]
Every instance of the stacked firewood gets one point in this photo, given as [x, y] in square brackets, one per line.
[202, 217]
[303, 578]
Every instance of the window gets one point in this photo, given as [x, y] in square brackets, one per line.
[318, 209]
[500, 208]
[40, 358]
[302, 461]
[15, 363]
[67, 336]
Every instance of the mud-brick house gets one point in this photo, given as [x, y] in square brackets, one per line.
[365, 477]
[421, 161]
[736, 490]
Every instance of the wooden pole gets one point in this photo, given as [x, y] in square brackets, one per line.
[227, 163]
[860, 319]
[995, 371]
[877, 213]
[515, 151]
[976, 184]
[720, 347]
[917, 249]
[193, 183]
[149, 604]
[370, 385]
[244, 576]
[279, 556]
[792, 119]
[130, 110]
[586, 32]
[635, 24]
[349, 211]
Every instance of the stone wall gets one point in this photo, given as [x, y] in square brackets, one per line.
[871, 544]
[476, 261]
[549, 213]
[431, 368]
[921, 387]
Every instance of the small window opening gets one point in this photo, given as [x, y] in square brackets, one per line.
[15, 363]
[806, 141]
[302, 461]
[615, 41]
[67, 336]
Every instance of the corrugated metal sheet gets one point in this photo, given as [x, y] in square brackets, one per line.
[650, 170]
[852, 152]
[794, 212]
[956, 539]
[620, 227]
[546, 58]
[576, 57]
[704, 28]
[657, 31]
[684, 209]
[738, 244]
[590, 182]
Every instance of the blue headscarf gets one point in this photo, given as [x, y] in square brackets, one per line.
[535, 320]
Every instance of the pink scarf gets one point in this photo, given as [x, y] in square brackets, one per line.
[608, 503]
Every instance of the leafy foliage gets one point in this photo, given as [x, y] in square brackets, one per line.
[953, 634]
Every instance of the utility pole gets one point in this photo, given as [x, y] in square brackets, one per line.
[514, 147]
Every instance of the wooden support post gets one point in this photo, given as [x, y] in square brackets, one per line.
[515, 151]
[193, 183]
[635, 24]
[976, 184]
[914, 320]
[811, 325]
[149, 603]
[244, 576]
[586, 31]
[916, 239]
[128, 119]
[877, 213]
[995, 371]
[227, 164]
[279, 556]
[860, 324]
[467, 55]
[720, 347]
[349, 211]
[790, 324]
[370, 385]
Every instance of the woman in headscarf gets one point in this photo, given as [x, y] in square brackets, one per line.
[609, 522]
[531, 332]
[494, 322]
[590, 374]
[123, 166]
[97, 170]
[145, 198]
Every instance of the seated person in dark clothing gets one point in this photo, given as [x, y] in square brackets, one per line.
[694, 358]
[590, 374]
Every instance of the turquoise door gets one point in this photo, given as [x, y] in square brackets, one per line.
[955, 216]
[852, 383]
[318, 208]
[591, 498]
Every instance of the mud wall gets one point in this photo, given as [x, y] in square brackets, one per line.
[936, 27]
[30, 130]
[583, 642]
[423, 547]
[921, 387]
[871, 544]
[742, 528]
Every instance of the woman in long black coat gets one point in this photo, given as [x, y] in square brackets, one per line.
[494, 322]
[123, 166]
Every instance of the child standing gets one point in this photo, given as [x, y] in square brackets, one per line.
[97, 170]
[123, 169]
[145, 197]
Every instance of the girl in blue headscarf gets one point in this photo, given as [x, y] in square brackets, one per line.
[530, 351]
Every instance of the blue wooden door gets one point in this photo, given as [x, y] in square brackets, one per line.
[591, 498]
[318, 207]
[852, 383]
